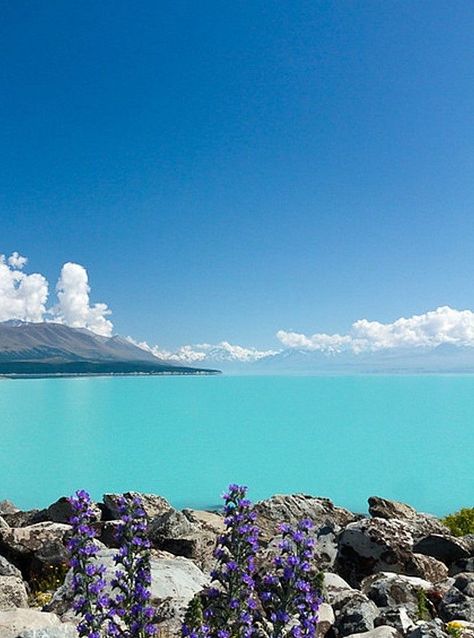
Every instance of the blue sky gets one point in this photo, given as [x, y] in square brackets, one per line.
[226, 170]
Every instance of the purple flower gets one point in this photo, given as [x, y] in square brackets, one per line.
[133, 577]
[87, 581]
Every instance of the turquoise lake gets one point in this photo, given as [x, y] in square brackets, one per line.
[405, 437]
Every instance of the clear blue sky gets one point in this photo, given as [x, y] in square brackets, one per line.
[227, 169]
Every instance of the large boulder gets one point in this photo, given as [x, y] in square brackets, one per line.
[174, 582]
[291, 508]
[357, 615]
[35, 546]
[403, 618]
[458, 602]
[388, 589]
[429, 629]
[12, 592]
[373, 545]
[385, 508]
[426, 567]
[442, 547]
[7, 569]
[61, 511]
[13, 622]
[183, 535]
[153, 505]
[21, 518]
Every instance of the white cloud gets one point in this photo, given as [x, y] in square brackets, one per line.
[223, 351]
[22, 296]
[319, 341]
[16, 260]
[431, 329]
[74, 307]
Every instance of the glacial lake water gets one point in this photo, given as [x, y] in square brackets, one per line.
[405, 437]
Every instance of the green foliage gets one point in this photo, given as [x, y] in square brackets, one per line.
[318, 583]
[462, 522]
[422, 605]
[194, 614]
[45, 583]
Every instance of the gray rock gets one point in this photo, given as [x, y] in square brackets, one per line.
[458, 602]
[108, 533]
[326, 619]
[3, 522]
[293, 507]
[373, 545]
[35, 547]
[7, 569]
[22, 519]
[335, 590]
[385, 508]
[61, 511]
[210, 521]
[431, 629]
[66, 630]
[421, 524]
[14, 621]
[388, 589]
[444, 548]
[462, 565]
[180, 535]
[153, 505]
[426, 567]
[12, 592]
[379, 632]
[402, 618]
[357, 615]
[175, 581]
[7, 507]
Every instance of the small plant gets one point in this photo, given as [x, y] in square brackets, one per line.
[44, 584]
[422, 605]
[455, 629]
[194, 617]
[460, 523]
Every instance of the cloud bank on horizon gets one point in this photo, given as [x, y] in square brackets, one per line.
[24, 296]
[445, 325]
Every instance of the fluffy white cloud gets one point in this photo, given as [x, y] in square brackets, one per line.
[319, 341]
[431, 329]
[16, 260]
[223, 351]
[22, 296]
[74, 307]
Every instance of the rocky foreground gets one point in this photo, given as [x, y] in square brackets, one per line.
[395, 573]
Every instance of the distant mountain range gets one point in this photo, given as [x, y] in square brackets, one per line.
[445, 358]
[52, 348]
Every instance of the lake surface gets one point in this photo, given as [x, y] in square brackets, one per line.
[404, 437]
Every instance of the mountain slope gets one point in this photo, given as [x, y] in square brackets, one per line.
[51, 348]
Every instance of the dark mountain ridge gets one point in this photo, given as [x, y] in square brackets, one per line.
[53, 348]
